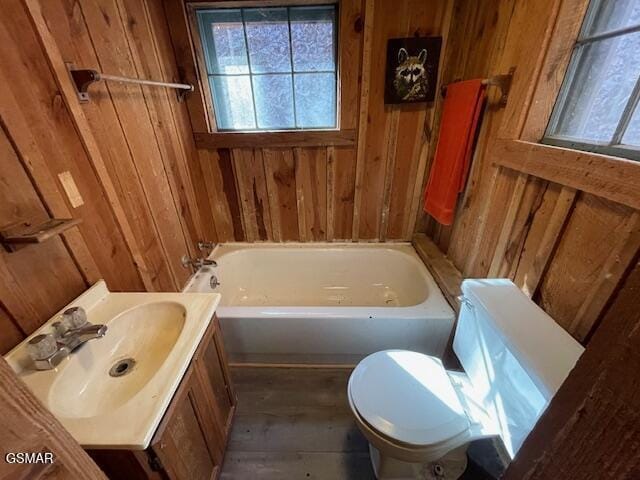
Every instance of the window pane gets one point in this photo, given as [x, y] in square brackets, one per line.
[268, 39]
[600, 88]
[274, 101]
[611, 15]
[224, 44]
[312, 38]
[632, 135]
[233, 102]
[315, 100]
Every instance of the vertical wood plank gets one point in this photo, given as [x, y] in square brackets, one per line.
[280, 172]
[546, 228]
[311, 191]
[344, 173]
[389, 169]
[584, 258]
[222, 194]
[349, 57]
[252, 188]
[363, 114]
[187, 62]
[331, 200]
[507, 225]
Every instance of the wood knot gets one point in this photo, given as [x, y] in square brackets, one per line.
[358, 25]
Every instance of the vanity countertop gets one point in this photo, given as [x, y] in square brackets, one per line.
[160, 332]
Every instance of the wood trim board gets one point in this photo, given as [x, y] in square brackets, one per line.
[613, 178]
[303, 138]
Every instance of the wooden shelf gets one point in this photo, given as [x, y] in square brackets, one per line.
[23, 234]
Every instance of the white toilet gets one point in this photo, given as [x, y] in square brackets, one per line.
[419, 417]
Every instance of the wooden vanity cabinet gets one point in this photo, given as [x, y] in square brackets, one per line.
[190, 442]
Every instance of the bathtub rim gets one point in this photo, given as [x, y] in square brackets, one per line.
[434, 306]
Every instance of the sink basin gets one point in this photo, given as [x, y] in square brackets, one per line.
[145, 334]
[112, 392]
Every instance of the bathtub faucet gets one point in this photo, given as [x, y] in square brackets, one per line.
[196, 263]
[205, 246]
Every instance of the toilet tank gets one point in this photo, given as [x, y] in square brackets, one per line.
[515, 355]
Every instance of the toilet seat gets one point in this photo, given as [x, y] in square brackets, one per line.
[408, 398]
[403, 451]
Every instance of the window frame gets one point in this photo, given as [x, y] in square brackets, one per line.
[334, 136]
[613, 148]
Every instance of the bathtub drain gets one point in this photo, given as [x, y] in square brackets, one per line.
[122, 367]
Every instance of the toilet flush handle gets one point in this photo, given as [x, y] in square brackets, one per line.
[465, 301]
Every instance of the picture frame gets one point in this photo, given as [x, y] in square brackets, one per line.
[412, 69]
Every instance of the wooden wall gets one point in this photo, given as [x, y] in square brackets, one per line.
[368, 191]
[129, 151]
[147, 193]
[566, 248]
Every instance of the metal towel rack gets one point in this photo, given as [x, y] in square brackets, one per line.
[82, 78]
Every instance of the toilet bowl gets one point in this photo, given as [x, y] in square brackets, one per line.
[416, 426]
[419, 418]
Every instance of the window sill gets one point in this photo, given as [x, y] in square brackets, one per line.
[303, 138]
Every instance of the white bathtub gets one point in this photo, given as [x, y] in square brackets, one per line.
[324, 302]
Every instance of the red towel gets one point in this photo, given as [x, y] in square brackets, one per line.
[460, 115]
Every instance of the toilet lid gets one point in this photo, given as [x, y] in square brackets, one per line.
[407, 396]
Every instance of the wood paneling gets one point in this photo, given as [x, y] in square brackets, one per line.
[36, 280]
[129, 150]
[347, 186]
[559, 233]
[596, 230]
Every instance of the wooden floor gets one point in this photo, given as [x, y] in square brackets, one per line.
[295, 423]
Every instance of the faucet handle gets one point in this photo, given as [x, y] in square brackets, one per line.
[42, 346]
[186, 261]
[205, 246]
[74, 317]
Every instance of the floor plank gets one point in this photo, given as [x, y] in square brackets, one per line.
[288, 465]
[306, 430]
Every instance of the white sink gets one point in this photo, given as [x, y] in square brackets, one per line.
[113, 391]
[145, 334]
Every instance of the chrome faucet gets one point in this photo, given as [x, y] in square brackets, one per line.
[48, 350]
[196, 263]
[205, 246]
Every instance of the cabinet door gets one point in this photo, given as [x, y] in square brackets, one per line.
[183, 443]
[213, 363]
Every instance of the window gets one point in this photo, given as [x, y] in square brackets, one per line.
[597, 109]
[271, 68]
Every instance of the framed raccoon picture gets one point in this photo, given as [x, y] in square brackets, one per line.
[412, 69]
